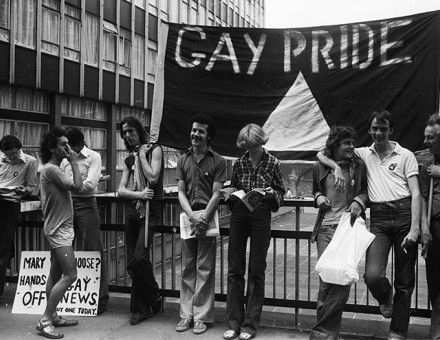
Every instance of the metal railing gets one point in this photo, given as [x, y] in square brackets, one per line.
[290, 277]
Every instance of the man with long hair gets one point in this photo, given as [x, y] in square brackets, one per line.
[57, 209]
[332, 204]
[142, 180]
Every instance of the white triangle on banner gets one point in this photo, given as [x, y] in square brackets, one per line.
[297, 123]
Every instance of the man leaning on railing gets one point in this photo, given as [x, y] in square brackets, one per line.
[18, 176]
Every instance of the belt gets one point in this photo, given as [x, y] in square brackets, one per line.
[391, 204]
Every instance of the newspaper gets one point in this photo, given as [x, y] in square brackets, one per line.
[185, 225]
[250, 199]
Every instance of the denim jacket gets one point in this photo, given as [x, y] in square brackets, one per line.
[357, 188]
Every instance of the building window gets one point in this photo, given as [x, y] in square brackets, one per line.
[219, 8]
[83, 108]
[23, 99]
[4, 20]
[192, 16]
[139, 3]
[110, 36]
[72, 38]
[139, 57]
[30, 100]
[50, 40]
[211, 6]
[152, 55]
[125, 52]
[91, 51]
[29, 133]
[25, 22]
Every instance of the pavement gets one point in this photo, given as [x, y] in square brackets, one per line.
[114, 324]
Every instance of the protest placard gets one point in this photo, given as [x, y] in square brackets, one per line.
[80, 299]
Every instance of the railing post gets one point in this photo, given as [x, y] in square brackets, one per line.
[297, 220]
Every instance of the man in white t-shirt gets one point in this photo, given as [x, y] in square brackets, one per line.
[395, 203]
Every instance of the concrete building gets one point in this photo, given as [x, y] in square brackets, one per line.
[89, 63]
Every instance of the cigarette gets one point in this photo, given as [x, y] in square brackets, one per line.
[404, 249]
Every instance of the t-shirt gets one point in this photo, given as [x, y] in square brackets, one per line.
[338, 198]
[388, 178]
[55, 199]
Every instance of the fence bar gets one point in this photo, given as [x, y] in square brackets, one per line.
[29, 236]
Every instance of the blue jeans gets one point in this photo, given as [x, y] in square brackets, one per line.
[255, 225]
[433, 278]
[331, 297]
[390, 223]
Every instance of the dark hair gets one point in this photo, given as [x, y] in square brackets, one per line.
[381, 116]
[10, 142]
[336, 135]
[50, 141]
[136, 124]
[75, 136]
[434, 119]
[204, 119]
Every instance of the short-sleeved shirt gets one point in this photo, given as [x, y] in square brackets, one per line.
[200, 176]
[388, 178]
[339, 199]
[267, 173]
[57, 206]
[22, 171]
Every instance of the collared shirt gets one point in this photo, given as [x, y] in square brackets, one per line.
[267, 173]
[200, 176]
[388, 178]
[22, 171]
[89, 164]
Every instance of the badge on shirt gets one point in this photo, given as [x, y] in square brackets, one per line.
[392, 166]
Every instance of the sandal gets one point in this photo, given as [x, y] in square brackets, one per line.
[246, 336]
[59, 321]
[230, 334]
[46, 329]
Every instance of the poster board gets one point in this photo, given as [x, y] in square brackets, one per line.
[81, 299]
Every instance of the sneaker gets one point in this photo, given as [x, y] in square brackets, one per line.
[184, 324]
[199, 327]
[137, 318]
[230, 334]
[386, 309]
[395, 336]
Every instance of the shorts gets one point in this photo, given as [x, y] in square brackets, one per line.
[61, 236]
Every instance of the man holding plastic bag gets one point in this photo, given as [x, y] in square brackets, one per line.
[395, 207]
[334, 204]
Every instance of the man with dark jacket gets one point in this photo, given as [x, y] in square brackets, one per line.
[332, 203]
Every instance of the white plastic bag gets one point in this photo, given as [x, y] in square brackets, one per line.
[339, 261]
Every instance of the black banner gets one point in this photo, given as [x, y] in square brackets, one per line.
[297, 82]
